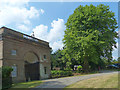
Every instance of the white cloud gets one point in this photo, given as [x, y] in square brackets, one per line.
[54, 35]
[115, 52]
[57, 30]
[23, 28]
[17, 12]
[42, 11]
[41, 32]
[116, 46]
[32, 13]
[56, 45]
[13, 3]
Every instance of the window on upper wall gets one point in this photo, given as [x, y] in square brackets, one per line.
[13, 52]
[45, 57]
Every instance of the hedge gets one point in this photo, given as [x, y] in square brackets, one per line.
[6, 78]
[60, 73]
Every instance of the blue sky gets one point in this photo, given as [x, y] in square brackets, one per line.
[46, 19]
[53, 11]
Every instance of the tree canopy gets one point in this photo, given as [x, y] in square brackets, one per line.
[58, 60]
[90, 35]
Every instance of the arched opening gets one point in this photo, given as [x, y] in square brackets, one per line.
[32, 71]
[31, 57]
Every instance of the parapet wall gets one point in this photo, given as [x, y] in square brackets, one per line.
[23, 37]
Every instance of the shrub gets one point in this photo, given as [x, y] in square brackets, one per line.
[68, 69]
[6, 78]
[60, 73]
[6, 71]
[79, 69]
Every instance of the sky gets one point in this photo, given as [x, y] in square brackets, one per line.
[46, 19]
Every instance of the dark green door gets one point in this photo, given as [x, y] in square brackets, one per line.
[32, 71]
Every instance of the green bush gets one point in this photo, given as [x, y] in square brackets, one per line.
[6, 78]
[6, 71]
[79, 69]
[60, 73]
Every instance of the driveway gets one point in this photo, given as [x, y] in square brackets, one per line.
[63, 82]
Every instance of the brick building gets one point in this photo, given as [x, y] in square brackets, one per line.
[28, 56]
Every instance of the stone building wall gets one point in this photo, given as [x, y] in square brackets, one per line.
[1, 52]
[13, 40]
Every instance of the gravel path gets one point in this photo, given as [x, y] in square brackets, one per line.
[63, 82]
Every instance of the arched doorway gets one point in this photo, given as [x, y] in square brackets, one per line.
[32, 71]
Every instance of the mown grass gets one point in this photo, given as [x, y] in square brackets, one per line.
[105, 81]
[30, 84]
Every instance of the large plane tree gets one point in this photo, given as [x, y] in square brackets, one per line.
[90, 35]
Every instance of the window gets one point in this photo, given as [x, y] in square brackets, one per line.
[44, 56]
[45, 70]
[13, 52]
[14, 72]
[0, 37]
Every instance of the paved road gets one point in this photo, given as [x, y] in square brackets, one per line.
[63, 82]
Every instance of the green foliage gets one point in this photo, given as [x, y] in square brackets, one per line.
[79, 69]
[68, 69]
[114, 61]
[6, 83]
[60, 73]
[118, 59]
[6, 79]
[89, 35]
[25, 85]
[58, 59]
[6, 71]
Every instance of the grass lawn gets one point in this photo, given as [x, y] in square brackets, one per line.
[105, 81]
[30, 84]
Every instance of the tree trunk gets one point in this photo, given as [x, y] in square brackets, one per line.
[86, 65]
